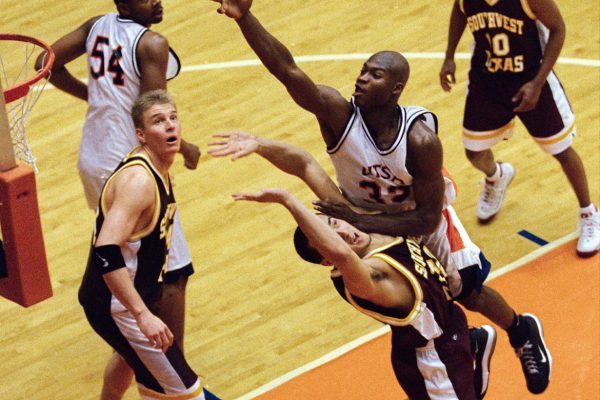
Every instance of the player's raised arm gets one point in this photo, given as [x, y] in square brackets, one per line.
[290, 159]
[328, 105]
[327, 242]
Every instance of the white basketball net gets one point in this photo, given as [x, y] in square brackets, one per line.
[12, 73]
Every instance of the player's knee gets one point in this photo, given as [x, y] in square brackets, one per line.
[566, 155]
[472, 155]
[473, 301]
[472, 278]
[117, 379]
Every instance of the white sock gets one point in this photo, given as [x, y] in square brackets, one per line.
[496, 175]
[589, 210]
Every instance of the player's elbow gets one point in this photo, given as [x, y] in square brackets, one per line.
[306, 166]
[288, 73]
[430, 222]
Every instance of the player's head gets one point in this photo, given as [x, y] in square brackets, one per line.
[381, 79]
[144, 12]
[145, 101]
[304, 248]
[358, 240]
[157, 125]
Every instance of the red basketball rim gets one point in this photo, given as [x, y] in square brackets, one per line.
[16, 92]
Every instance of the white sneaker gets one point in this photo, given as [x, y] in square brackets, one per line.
[492, 194]
[589, 236]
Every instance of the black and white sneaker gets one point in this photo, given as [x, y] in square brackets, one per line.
[535, 357]
[483, 343]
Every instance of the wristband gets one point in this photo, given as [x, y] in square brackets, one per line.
[108, 258]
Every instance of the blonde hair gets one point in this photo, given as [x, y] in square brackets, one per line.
[147, 100]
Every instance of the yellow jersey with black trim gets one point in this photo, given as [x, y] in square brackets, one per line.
[145, 253]
[432, 312]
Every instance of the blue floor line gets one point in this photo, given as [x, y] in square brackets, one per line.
[209, 396]
[532, 237]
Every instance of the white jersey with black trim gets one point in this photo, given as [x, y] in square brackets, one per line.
[113, 86]
[374, 178]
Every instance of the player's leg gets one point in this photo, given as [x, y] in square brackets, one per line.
[467, 269]
[524, 331]
[487, 120]
[589, 216]
[435, 371]
[159, 375]
[92, 175]
[490, 304]
[171, 306]
[552, 126]
[453, 247]
[117, 378]
[483, 160]
[573, 168]
[117, 373]
[446, 363]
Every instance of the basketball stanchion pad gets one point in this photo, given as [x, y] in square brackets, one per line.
[27, 280]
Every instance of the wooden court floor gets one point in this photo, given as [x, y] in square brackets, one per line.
[255, 311]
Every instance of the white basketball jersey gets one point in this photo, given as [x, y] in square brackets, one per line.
[375, 178]
[113, 86]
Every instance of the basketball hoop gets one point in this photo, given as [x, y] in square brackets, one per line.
[24, 276]
[23, 88]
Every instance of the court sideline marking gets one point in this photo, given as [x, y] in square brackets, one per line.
[585, 62]
[363, 56]
[385, 329]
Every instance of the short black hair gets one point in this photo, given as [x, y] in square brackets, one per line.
[304, 249]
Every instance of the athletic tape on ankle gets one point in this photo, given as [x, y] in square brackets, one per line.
[108, 258]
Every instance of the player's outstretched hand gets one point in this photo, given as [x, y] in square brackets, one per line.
[264, 196]
[235, 9]
[236, 144]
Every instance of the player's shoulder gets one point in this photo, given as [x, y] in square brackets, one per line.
[153, 39]
[153, 44]
[136, 176]
[397, 250]
[331, 93]
[424, 146]
[421, 132]
[88, 24]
